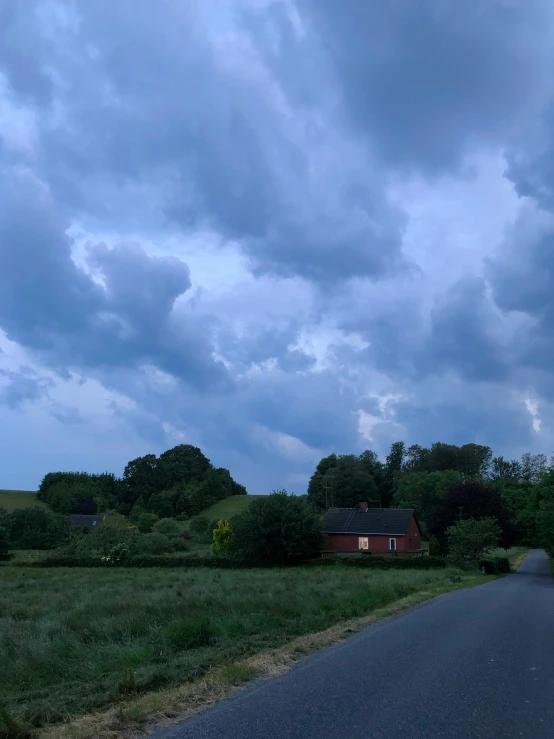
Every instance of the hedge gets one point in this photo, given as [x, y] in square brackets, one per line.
[168, 560]
[383, 563]
[496, 566]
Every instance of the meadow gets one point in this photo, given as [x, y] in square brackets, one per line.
[72, 641]
[12, 499]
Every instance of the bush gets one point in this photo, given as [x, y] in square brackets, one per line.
[435, 549]
[222, 539]
[168, 527]
[154, 543]
[199, 525]
[146, 522]
[119, 554]
[4, 544]
[36, 528]
[278, 528]
[383, 563]
[496, 566]
[470, 539]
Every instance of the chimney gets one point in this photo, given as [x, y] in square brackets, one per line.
[363, 506]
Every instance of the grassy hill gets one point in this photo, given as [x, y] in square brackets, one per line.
[12, 499]
[228, 507]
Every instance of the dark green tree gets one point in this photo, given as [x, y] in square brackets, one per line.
[37, 528]
[393, 466]
[278, 528]
[141, 479]
[183, 463]
[473, 499]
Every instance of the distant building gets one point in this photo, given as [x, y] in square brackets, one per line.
[78, 521]
[389, 531]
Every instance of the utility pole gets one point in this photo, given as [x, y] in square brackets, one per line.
[328, 485]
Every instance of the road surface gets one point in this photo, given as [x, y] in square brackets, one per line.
[474, 664]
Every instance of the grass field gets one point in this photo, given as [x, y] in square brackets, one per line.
[516, 555]
[228, 507]
[12, 499]
[75, 640]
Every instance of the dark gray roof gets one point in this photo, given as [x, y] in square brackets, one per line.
[369, 521]
[84, 522]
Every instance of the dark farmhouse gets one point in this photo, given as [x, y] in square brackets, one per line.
[77, 521]
[377, 530]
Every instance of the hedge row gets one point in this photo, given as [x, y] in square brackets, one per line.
[168, 560]
[496, 566]
[383, 563]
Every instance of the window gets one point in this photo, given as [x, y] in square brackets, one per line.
[363, 542]
[392, 544]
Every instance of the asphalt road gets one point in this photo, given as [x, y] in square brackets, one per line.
[475, 664]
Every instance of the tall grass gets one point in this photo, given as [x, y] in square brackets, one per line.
[74, 640]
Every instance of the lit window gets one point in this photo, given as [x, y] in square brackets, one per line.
[363, 542]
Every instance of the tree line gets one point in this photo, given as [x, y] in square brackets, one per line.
[180, 482]
[445, 483]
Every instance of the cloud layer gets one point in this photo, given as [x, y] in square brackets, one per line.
[274, 230]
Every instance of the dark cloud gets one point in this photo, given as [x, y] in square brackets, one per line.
[22, 386]
[140, 106]
[423, 80]
[49, 304]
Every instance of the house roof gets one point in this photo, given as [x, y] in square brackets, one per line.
[369, 521]
[84, 522]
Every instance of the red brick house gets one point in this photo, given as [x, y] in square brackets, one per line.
[390, 531]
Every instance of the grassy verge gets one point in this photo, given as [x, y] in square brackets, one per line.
[516, 555]
[72, 642]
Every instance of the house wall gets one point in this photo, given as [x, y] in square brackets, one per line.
[377, 542]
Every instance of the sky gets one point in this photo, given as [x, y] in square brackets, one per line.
[273, 229]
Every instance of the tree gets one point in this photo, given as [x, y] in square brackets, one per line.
[393, 465]
[141, 479]
[145, 522]
[168, 527]
[113, 530]
[435, 549]
[473, 461]
[473, 499]
[222, 539]
[503, 469]
[37, 528]
[470, 539]
[423, 491]
[532, 467]
[183, 463]
[278, 528]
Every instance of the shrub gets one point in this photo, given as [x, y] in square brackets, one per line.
[4, 544]
[119, 554]
[146, 522]
[36, 528]
[222, 539]
[496, 566]
[154, 543]
[383, 563]
[277, 528]
[435, 549]
[168, 527]
[470, 539]
[199, 525]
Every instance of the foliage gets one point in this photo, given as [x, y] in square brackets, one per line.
[474, 500]
[435, 549]
[470, 539]
[35, 528]
[78, 492]
[222, 539]
[496, 566]
[383, 563]
[199, 525]
[115, 529]
[423, 491]
[152, 543]
[168, 527]
[119, 554]
[146, 521]
[4, 543]
[345, 481]
[82, 630]
[279, 528]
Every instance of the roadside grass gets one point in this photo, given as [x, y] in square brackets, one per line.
[74, 641]
[515, 555]
[12, 499]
